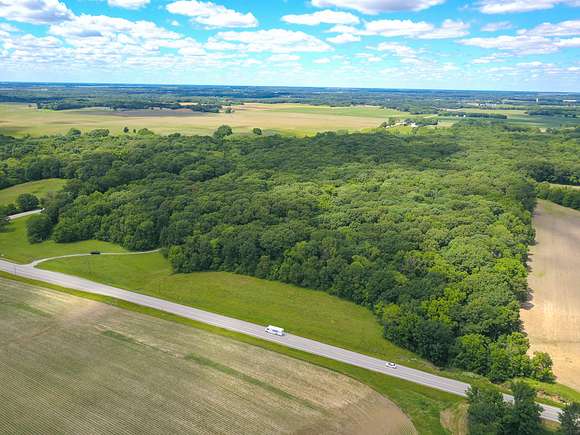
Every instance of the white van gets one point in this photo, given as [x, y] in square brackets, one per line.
[274, 330]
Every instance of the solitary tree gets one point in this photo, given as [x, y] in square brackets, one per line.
[570, 419]
[222, 132]
[38, 228]
[257, 131]
[126, 130]
[27, 201]
[487, 411]
[524, 416]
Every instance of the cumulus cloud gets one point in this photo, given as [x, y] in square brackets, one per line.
[492, 58]
[407, 29]
[494, 27]
[522, 44]
[284, 58]
[343, 38]
[322, 17]
[511, 6]
[272, 40]
[212, 15]
[564, 28]
[35, 11]
[322, 60]
[373, 7]
[128, 4]
[406, 54]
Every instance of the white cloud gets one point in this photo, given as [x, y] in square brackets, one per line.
[522, 44]
[322, 17]
[568, 43]
[322, 60]
[8, 28]
[211, 14]
[35, 11]
[343, 38]
[406, 54]
[494, 27]
[111, 29]
[449, 29]
[128, 4]
[564, 28]
[408, 29]
[272, 40]
[373, 7]
[492, 58]
[511, 6]
[284, 58]
[369, 57]
[397, 49]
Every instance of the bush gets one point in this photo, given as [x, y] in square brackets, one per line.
[27, 202]
[38, 228]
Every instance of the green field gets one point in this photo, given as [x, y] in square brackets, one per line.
[519, 117]
[305, 312]
[40, 188]
[15, 246]
[360, 111]
[72, 365]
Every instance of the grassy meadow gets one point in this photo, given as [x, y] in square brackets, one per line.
[301, 311]
[40, 188]
[14, 245]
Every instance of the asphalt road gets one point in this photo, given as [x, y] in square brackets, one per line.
[23, 214]
[289, 340]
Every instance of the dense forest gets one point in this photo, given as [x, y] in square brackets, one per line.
[430, 231]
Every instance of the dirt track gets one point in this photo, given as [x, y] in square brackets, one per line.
[553, 321]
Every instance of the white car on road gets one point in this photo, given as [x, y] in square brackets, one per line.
[275, 330]
[391, 365]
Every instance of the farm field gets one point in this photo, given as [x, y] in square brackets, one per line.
[519, 117]
[553, 320]
[304, 312]
[103, 369]
[294, 119]
[14, 245]
[40, 188]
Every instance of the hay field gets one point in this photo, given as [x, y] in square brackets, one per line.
[294, 119]
[553, 321]
[69, 365]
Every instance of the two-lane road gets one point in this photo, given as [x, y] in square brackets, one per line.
[289, 340]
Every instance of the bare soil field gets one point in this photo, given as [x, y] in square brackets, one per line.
[70, 365]
[553, 321]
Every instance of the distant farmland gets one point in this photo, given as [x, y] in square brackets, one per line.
[294, 119]
[70, 365]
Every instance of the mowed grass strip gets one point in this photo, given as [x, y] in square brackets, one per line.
[309, 313]
[64, 375]
[14, 245]
[40, 188]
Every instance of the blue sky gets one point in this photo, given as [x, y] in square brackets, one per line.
[437, 44]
